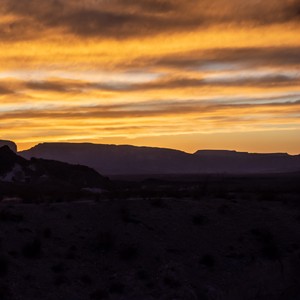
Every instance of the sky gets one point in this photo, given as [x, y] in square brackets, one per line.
[184, 74]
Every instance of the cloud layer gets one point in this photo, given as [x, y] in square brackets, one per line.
[150, 71]
[126, 18]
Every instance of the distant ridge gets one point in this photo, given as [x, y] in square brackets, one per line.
[233, 153]
[127, 159]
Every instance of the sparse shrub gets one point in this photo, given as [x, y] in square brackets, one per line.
[99, 294]
[13, 253]
[199, 191]
[58, 268]
[222, 194]
[142, 275]
[8, 216]
[262, 235]
[117, 288]
[159, 203]
[32, 249]
[171, 282]
[235, 255]
[5, 292]
[199, 219]
[3, 266]
[125, 215]
[71, 252]
[86, 279]
[271, 251]
[241, 239]
[150, 285]
[29, 277]
[268, 196]
[208, 260]
[129, 253]
[69, 216]
[73, 248]
[158, 259]
[105, 242]
[47, 233]
[223, 209]
[269, 248]
[60, 280]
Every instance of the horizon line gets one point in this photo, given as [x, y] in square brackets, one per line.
[155, 147]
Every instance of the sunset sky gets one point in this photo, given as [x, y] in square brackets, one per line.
[185, 74]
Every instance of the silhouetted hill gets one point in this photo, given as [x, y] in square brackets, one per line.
[125, 159]
[10, 144]
[8, 159]
[19, 176]
[112, 159]
[16, 168]
[244, 162]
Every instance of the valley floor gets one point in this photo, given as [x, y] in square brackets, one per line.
[150, 249]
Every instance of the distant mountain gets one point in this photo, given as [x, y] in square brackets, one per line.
[125, 159]
[10, 144]
[244, 162]
[45, 176]
[112, 159]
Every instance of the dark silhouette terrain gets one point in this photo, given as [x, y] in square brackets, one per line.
[10, 144]
[39, 178]
[74, 234]
[125, 159]
[212, 248]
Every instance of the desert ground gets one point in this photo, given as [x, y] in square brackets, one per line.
[220, 247]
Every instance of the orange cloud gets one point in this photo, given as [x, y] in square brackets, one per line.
[143, 70]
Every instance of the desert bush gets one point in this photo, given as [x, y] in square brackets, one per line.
[69, 216]
[262, 235]
[267, 196]
[142, 275]
[86, 279]
[222, 193]
[171, 282]
[5, 292]
[129, 253]
[47, 233]
[58, 268]
[32, 249]
[127, 217]
[60, 280]
[199, 219]
[208, 260]
[8, 216]
[3, 266]
[99, 294]
[71, 252]
[223, 209]
[271, 251]
[159, 203]
[117, 288]
[269, 248]
[105, 242]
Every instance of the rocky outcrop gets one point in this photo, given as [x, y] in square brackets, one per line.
[10, 144]
[18, 170]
